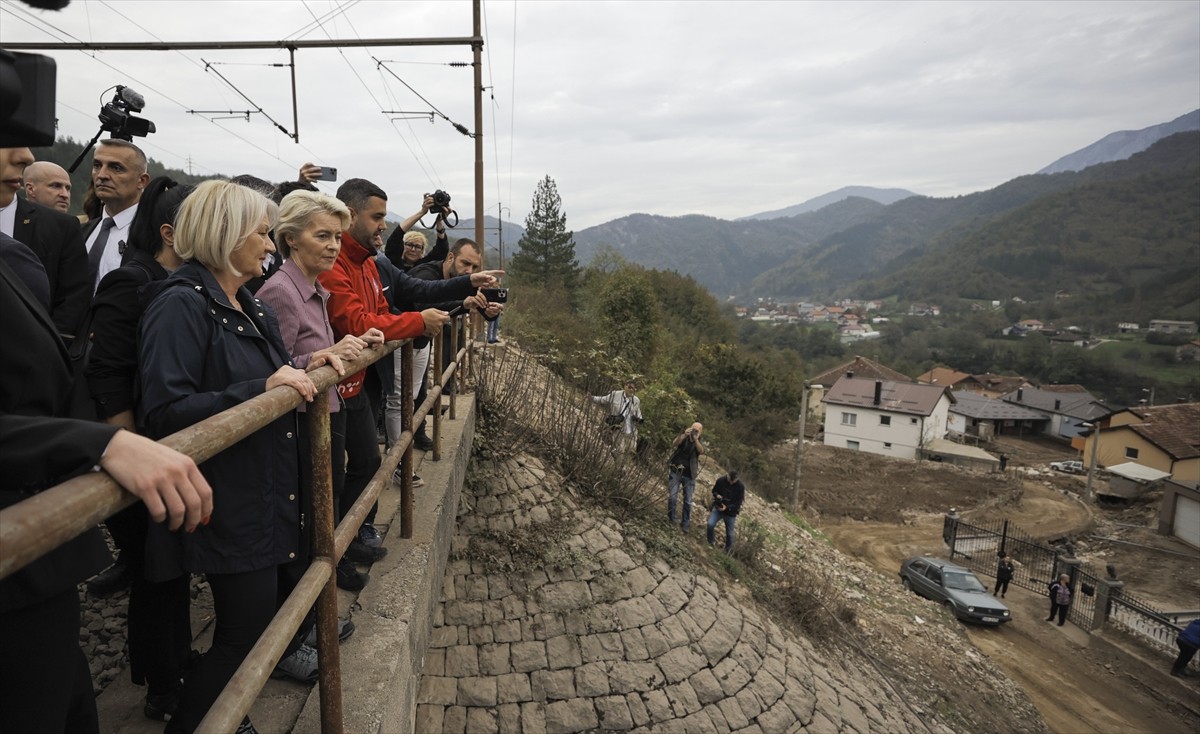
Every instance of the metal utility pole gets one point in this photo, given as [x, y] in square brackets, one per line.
[1092, 463]
[800, 448]
[477, 49]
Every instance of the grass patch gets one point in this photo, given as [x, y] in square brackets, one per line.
[801, 523]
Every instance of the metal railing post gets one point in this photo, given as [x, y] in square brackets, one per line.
[438, 346]
[321, 491]
[454, 329]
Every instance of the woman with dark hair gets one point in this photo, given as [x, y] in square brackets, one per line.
[206, 345]
[159, 622]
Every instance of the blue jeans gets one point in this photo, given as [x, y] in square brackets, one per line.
[493, 330]
[689, 486]
[713, 518]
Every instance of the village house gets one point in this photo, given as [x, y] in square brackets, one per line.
[1164, 326]
[1165, 437]
[885, 417]
[1068, 409]
[943, 376]
[1127, 327]
[857, 367]
[977, 416]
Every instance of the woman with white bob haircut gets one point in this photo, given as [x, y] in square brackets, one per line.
[206, 345]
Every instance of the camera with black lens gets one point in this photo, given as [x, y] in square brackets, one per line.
[116, 116]
[441, 202]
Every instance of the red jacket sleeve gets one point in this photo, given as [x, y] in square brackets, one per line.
[351, 313]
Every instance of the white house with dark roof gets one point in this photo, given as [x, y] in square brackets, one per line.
[885, 417]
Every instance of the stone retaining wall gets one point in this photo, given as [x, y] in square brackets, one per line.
[617, 640]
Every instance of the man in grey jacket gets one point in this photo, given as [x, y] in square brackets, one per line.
[624, 413]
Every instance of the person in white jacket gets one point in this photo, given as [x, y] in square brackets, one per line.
[624, 413]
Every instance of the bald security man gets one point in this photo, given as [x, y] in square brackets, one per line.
[55, 239]
[48, 184]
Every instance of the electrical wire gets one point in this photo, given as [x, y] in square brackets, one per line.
[140, 83]
[310, 27]
[512, 107]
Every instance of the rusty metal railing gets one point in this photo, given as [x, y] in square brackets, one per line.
[34, 527]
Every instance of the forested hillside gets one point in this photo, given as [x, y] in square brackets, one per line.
[894, 239]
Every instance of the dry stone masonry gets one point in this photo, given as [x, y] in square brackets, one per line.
[614, 639]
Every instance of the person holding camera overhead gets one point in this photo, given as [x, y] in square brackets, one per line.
[406, 249]
[684, 467]
[728, 494]
[624, 413]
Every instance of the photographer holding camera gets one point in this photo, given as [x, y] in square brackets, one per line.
[728, 494]
[405, 248]
[624, 413]
[684, 467]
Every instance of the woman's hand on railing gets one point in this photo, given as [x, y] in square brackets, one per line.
[296, 379]
[168, 482]
[373, 336]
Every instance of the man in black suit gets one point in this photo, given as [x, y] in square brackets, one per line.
[54, 237]
[48, 184]
[118, 178]
[45, 685]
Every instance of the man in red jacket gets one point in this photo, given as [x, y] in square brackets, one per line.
[357, 303]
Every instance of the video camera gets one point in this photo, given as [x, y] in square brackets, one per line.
[27, 88]
[116, 116]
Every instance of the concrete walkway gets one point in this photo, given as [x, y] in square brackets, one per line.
[392, 615]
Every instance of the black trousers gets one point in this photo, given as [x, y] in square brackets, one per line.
[362, 452]
[159, 622]
[1186, 652]
[1060, 610]
[1001, 587]
[244, 604]
[45, 684]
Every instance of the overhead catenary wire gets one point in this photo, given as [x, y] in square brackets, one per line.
[312, 26]
[143, 84]
[257, 108]
[461, 128]
[431, 173]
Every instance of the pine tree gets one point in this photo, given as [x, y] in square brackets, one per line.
[547, 249]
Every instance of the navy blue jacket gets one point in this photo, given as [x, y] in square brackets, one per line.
[199, 356]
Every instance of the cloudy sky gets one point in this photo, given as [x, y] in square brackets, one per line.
[671, 108]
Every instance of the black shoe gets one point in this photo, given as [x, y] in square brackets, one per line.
[161, 707]
[349, 577]
[360, 552]
[246, 727]
[422, 442]
[1181, 673]
[111, 580]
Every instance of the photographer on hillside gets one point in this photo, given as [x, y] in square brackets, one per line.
[728, 494]
[684, 467]
[624, 414]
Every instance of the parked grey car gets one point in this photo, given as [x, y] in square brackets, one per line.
[955, 587]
